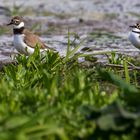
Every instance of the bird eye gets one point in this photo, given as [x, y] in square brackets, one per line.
[138, 26]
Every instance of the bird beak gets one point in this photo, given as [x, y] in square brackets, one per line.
[10, 23]
[133, 26]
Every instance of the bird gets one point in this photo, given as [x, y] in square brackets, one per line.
[24, 40]
[134, 35]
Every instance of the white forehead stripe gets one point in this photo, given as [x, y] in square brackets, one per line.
[19, 26]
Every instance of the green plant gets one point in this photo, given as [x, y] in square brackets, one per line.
[44, 96]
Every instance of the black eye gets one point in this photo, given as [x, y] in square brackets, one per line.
[138, 26]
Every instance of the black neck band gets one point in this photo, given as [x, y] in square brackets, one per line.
[18, 31]
[138, 32]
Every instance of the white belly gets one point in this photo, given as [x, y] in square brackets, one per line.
[135, 39]
[20, 46]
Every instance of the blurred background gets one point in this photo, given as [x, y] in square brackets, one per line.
[104, 24]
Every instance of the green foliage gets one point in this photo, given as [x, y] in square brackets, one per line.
[44, 96]
[116, 59]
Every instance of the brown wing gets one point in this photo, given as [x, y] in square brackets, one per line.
[32, 40]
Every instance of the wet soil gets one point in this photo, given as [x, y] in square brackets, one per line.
[103, 25]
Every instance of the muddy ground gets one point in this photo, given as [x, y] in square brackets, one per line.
[104, 24]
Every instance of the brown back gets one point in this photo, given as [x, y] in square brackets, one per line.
[32, 40]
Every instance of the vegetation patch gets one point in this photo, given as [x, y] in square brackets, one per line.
[45, 96]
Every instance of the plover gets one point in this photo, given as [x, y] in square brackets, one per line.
[134, 35]
[24, 40]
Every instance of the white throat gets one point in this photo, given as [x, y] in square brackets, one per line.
[136, 30]
[19, 26]
[134, 37]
